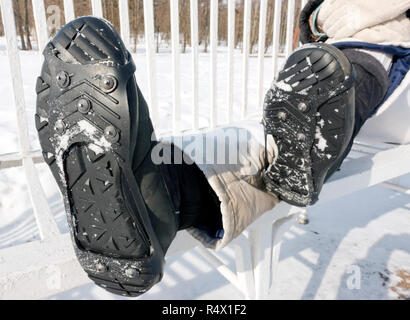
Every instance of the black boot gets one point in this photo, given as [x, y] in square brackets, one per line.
[310, 112]
[95, 133]
[370, 89]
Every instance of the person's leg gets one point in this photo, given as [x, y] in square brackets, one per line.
[198, 204]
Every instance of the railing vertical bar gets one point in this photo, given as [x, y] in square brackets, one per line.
[276, 36]
[41, 23]
[245, 53]
[213, 47]
[303, 4]
[69, 12]
[175, 65]
[150, 58]
[45, 222]
[194, 46]
[231, 44]
[261, 48]
[124, 22]
[15, 74]
[289, 27]
[97, 8]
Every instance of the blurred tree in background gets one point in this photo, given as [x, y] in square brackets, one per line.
[26, 32]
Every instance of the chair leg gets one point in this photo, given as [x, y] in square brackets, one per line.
[280, 227]
[265, 245]
[261, 242]
[244, 267]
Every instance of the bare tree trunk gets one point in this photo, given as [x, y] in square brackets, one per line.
[136, 20]
[184, 45]
[157, 49]
[162, 21]
[239, 24]
[82, 8]
[206, 28]
[269, 25]
[254, 25]
[19, 23]
[184, 26]
[27, 25]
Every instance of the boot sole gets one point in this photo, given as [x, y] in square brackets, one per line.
[84, 127]
[291, 118]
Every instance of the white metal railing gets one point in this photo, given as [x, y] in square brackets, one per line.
[231, 43]
[261, 48]
[69, 10]
[176, 72]
[51, 246]
[276, 35]
[45, 222]
[195, 70]
[150, 54]
[97, 8]
[213, 47]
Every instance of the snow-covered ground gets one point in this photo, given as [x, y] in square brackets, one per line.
[368, 231]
